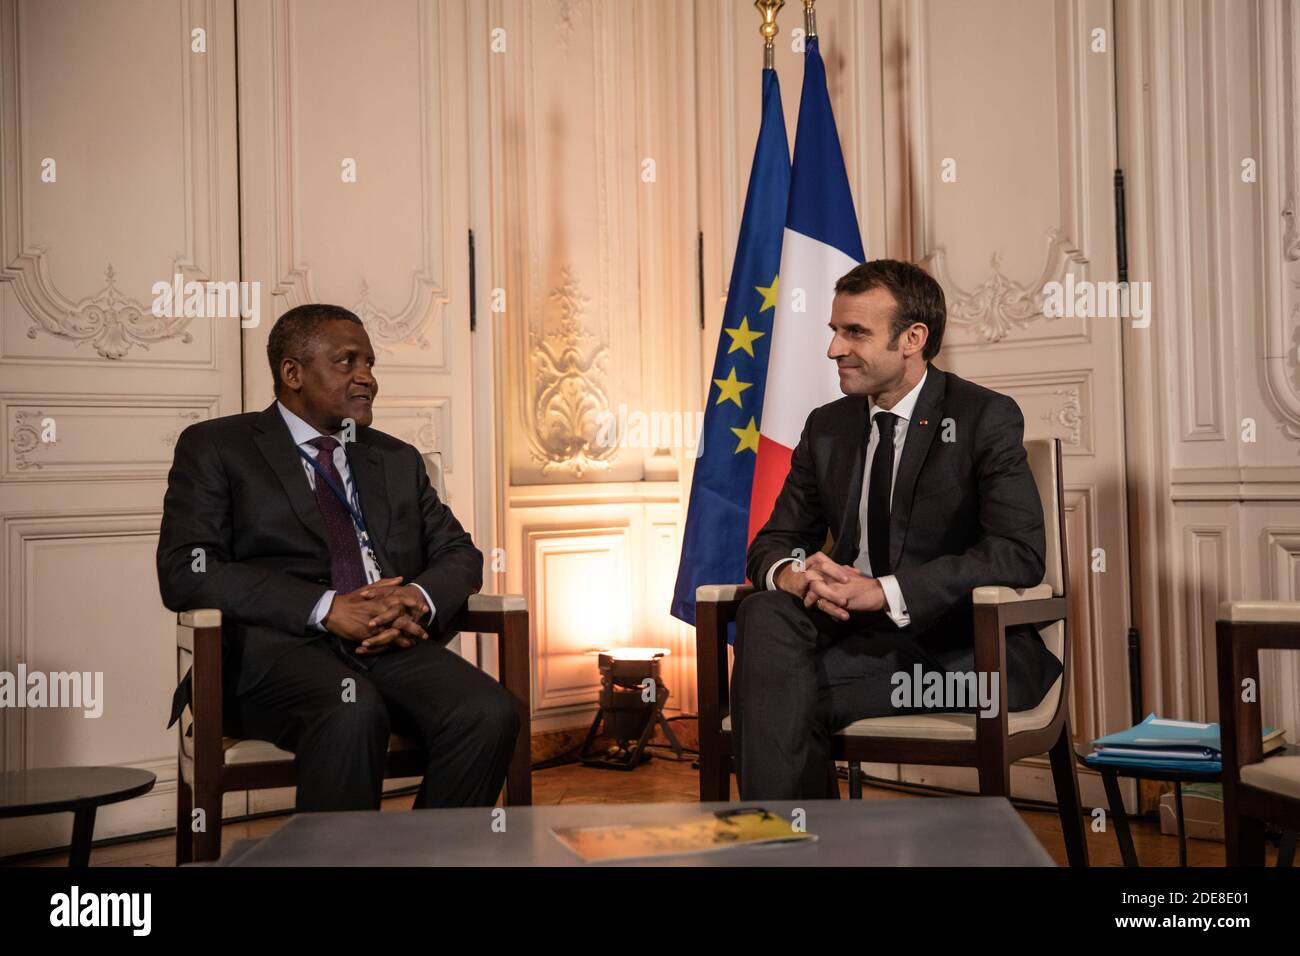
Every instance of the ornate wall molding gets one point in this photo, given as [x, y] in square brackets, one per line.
[568, 381]
[1291, 231]
[26, 438]
[113, 323]
[1277, 37]
[426, 423]
[999, 305]
[427, 300]
[1061, 399]
[97, 437]
[1068, 415]
[572, 142]
[390, 331]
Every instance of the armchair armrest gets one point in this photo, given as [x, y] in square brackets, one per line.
[723, 593]
[1260, 612]
[493, 614]
[1245, 628]
[995, 609]
[497, 602]
[199, 617]
[996, 594]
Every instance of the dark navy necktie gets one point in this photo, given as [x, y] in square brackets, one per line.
[882, 478]
[347, 571]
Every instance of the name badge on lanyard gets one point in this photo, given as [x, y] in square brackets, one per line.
[358, 520]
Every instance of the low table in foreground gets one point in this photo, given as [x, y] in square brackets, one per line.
[79, 790]
[950, 831]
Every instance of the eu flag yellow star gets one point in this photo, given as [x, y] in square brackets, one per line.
[743, 337]
[730, 388]
[748, 437]
[769, 294]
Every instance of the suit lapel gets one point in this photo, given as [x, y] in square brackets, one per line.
[367, 467]
[276, 445]
[921, 429]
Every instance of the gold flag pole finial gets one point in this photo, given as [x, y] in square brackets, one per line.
[769, 9]
[809, 18]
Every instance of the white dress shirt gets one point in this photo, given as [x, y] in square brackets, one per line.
[896, 607]
[303, 434]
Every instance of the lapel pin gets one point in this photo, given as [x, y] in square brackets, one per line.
[924, 421]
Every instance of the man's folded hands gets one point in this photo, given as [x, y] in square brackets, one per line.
[835, 589]
[379, 616]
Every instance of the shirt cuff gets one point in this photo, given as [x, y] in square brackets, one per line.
[320, 610]
[894, 599]
[429, 601]
[771, 572]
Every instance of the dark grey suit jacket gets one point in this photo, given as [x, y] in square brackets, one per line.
[238, 492]
[965, 513]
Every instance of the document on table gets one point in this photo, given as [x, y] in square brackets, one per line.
[701, 834]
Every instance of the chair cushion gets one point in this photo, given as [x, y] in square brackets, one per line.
[1280, 774]
[239, 751]
[946, 726]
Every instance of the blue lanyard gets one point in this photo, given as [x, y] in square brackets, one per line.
[338, 493]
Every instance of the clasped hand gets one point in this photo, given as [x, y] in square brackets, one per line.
[834, 589]
[379, 616]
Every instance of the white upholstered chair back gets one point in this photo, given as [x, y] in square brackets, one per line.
[1045, 462]
[433, 465]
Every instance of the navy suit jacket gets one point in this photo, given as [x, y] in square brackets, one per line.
[965, 513]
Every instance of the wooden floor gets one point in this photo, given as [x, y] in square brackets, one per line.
[663, 781]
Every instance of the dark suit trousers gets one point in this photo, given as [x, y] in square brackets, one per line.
[799, 676]
[338, 733]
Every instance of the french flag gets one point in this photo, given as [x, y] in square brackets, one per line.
[821, 243]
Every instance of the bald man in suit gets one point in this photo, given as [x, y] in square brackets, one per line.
[338, 571]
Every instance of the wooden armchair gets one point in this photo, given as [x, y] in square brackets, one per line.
[990, 744]
[211, 764]
[1256, 789]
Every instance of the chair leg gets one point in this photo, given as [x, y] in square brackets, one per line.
[1066, 779]
[184, 813]
[715, 774]
[1286, 849]
[519, 773]
[207, 842]
[855, 780]
[1243, 841]
[995, 777]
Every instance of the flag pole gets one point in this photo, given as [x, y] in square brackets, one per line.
[809, 18]
[769, 9]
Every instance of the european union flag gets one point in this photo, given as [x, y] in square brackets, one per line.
[717, 521]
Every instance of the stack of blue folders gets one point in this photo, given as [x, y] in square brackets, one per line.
[1163, 744]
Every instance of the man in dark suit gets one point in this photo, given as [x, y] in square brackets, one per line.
[337, 571]
[921, 480]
